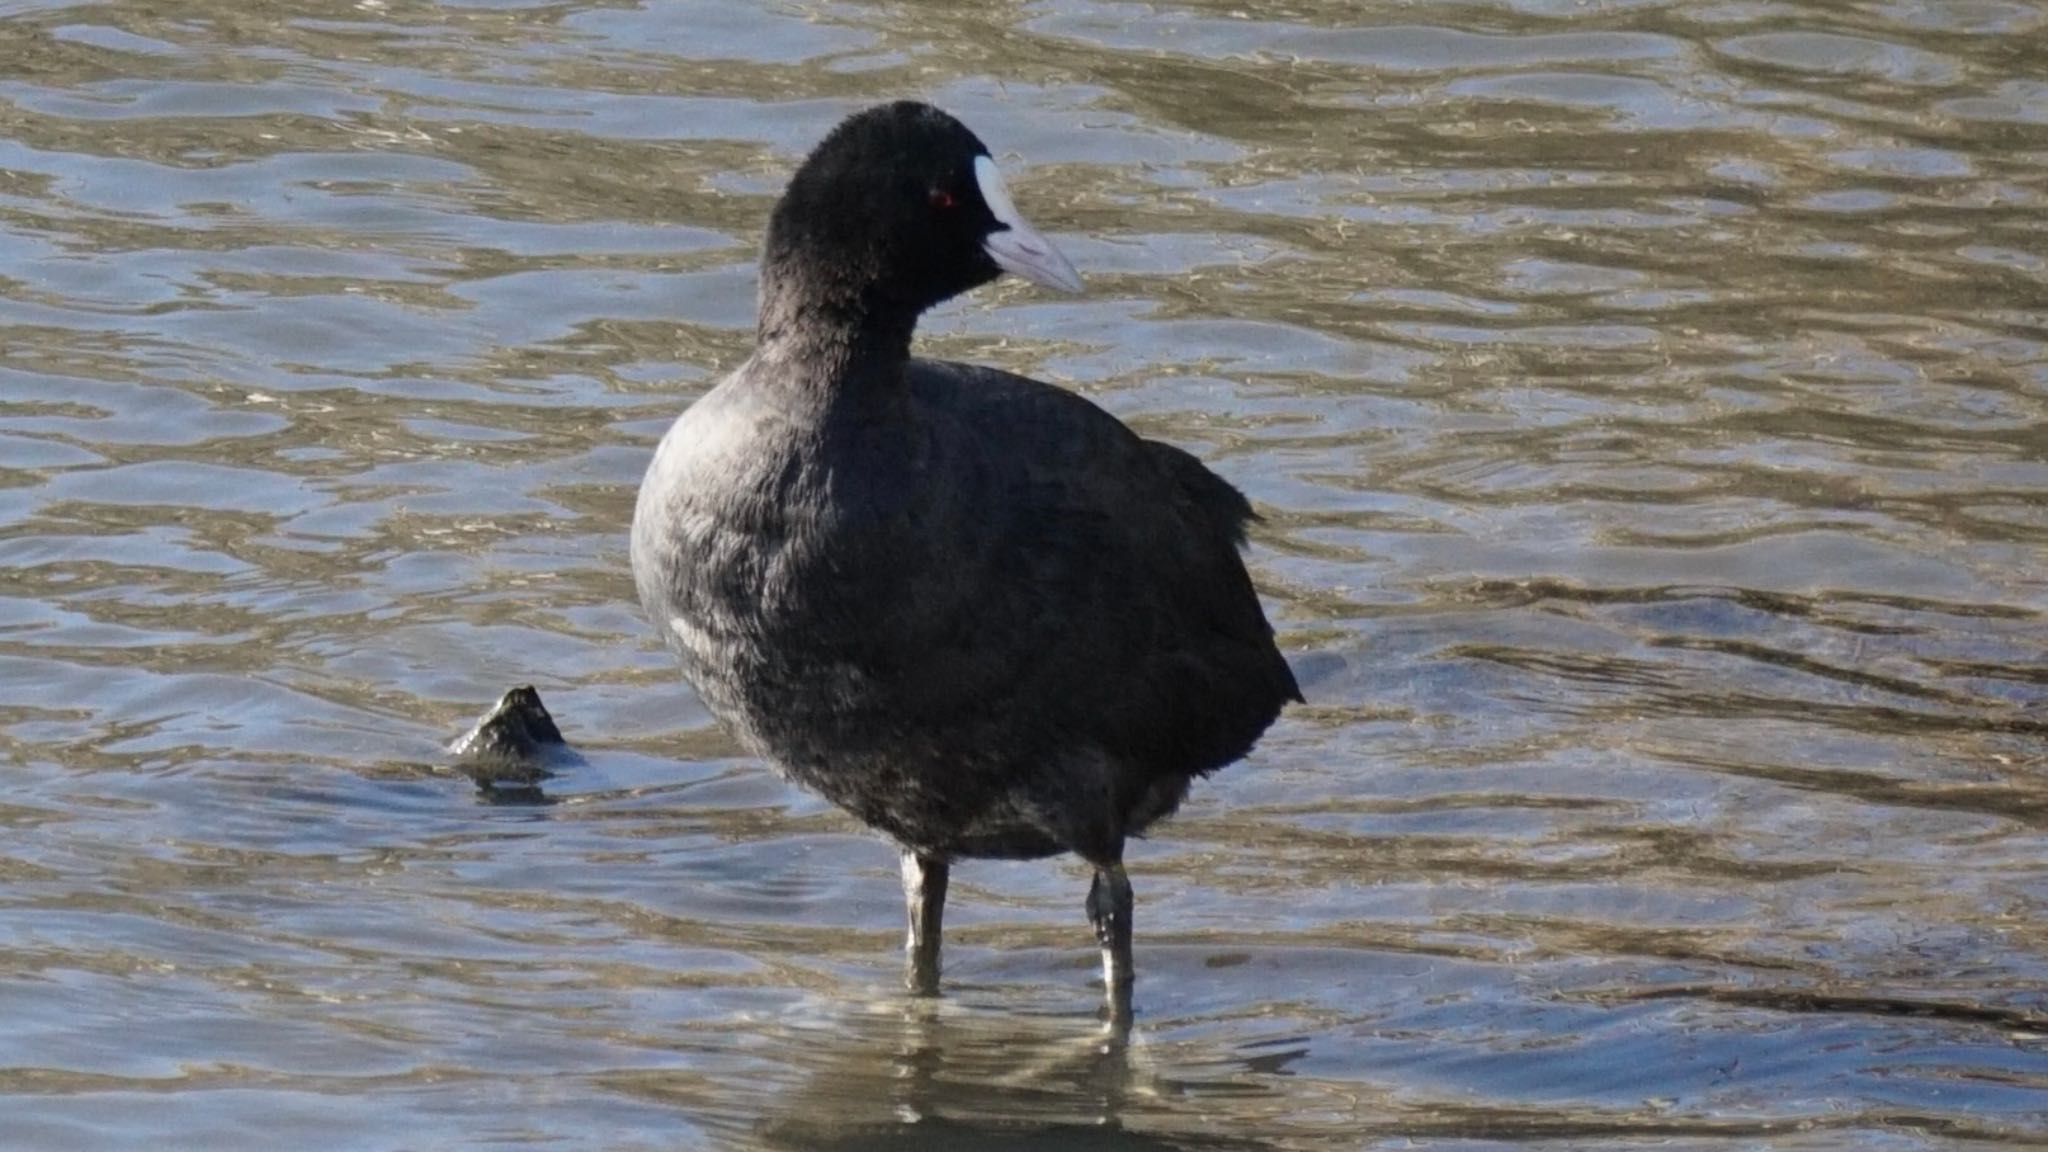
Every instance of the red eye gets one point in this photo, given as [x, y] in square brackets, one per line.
[942, 198]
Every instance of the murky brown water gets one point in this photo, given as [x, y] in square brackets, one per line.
[1649, 402]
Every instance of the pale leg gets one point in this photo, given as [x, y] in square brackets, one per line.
[1109, 909]
[924, 893]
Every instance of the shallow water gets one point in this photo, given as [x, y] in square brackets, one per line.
[1648, 402]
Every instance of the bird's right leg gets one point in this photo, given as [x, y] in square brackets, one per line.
[1109, 909]
[924, 893]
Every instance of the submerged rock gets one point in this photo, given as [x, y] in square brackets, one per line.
[515, 745]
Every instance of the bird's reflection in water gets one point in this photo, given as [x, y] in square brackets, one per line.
[928, 1076]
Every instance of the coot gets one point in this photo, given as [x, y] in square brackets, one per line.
[972, 609]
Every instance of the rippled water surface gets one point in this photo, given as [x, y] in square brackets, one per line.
[1648, 403]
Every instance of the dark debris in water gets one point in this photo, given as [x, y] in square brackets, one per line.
[513, 747]
[2018, 1021]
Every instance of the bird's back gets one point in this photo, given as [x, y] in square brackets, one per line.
[1151, 640]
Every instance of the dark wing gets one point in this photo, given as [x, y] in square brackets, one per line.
[1118, 558]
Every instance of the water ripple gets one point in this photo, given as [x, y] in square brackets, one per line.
[1646, 401]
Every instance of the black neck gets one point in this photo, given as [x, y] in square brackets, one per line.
[836, 351]
[841, 325]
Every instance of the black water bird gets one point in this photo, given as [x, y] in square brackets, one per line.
[972, 609]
